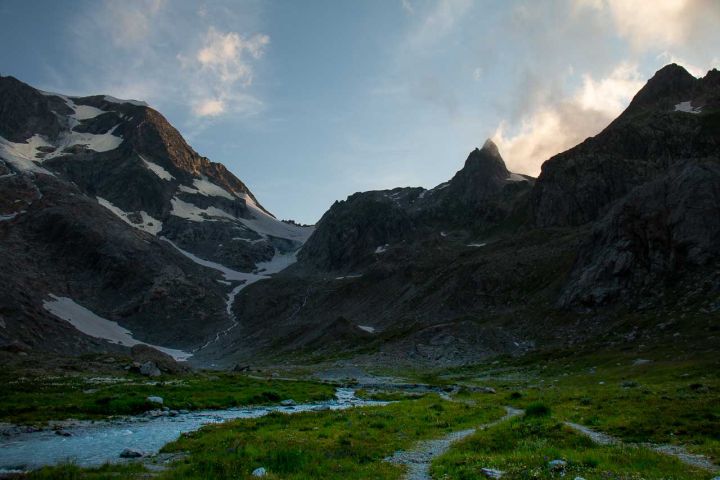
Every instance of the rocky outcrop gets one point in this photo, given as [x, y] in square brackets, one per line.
[661, 233]
[655, 132]
[353, 232]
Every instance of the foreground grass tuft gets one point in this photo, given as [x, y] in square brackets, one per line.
[525, 448]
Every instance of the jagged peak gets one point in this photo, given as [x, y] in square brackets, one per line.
[490, 147]
[670, 82]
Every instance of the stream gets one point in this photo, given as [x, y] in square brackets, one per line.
[93, 444]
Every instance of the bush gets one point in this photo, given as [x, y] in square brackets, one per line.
[537, 409]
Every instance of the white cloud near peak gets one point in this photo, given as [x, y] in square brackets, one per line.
[553, 127]
[658, 23]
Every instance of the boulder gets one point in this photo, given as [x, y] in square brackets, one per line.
[259, 472]
[131, 453]
[149, 369]
[163, 361]
[154, 399]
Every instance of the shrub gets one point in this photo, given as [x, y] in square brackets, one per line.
[537, 409]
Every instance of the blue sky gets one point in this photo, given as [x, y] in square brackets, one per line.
[310, 101]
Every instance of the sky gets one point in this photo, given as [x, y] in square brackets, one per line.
[310, 101]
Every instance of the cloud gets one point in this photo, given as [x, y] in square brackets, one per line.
[557, 125]
[407, 6]
[658, 23]
[222, 64]
[209, 107]
[129, 23]
[438, 22]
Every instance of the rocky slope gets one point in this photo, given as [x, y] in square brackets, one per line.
[618, 234]
[103, 202]
[615, 244]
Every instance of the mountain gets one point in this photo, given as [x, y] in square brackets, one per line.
[107, 215]
[614, 241]
[105, 204]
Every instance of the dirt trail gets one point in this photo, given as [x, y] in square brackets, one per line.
[418, 459]
[677, 451]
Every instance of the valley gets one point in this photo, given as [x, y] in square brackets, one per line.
[497, 325]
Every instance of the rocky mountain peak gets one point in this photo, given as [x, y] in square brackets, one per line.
[484, 170]
[670, 85]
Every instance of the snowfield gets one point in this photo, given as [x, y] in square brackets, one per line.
[687, 107]
[149, 224]
[194, 213]
[95, 326]
[157, 169]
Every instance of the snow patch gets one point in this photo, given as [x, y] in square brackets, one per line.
[192, 212]
[148, 224]
[23, 156]
[348, 277]
[84, 112]
[381, 248]
[95, 326]
[207, 188]
[137, 103]
[266, 224]
[157, 169]
[687, 107]
[476, 244]
[7, 218]
[367, 328]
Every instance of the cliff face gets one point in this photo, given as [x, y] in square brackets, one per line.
[671, 120]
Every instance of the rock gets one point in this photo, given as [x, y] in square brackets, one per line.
[641, 361]
[149, 369]
[131, 453]
[492, 473]
[259, 472]
[288, 403]
[241, 368]
[557, 465]
[63, 433]
[154, 399]
[579, 478]
[164, 362]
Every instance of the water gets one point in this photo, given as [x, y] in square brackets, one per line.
[95, 444]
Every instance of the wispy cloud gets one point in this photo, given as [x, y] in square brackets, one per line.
[659, 23]
[171, 57]
[220, 68]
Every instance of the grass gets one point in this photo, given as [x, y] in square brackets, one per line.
[348, 444]
[523, 449]
[39, 399]
[674, 401]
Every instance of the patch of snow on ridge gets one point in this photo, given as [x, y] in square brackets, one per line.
[192, 212]
[476, 244]
[157, 169]
[95, 326]
[381, 248]
[148, 224]
[264, 269]
[229, 273]
[99, 142]
[687, 107]
[85, 112]
[266, 224]
[23, 155]
[206, 187]
[137, 103]
[366, 328]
